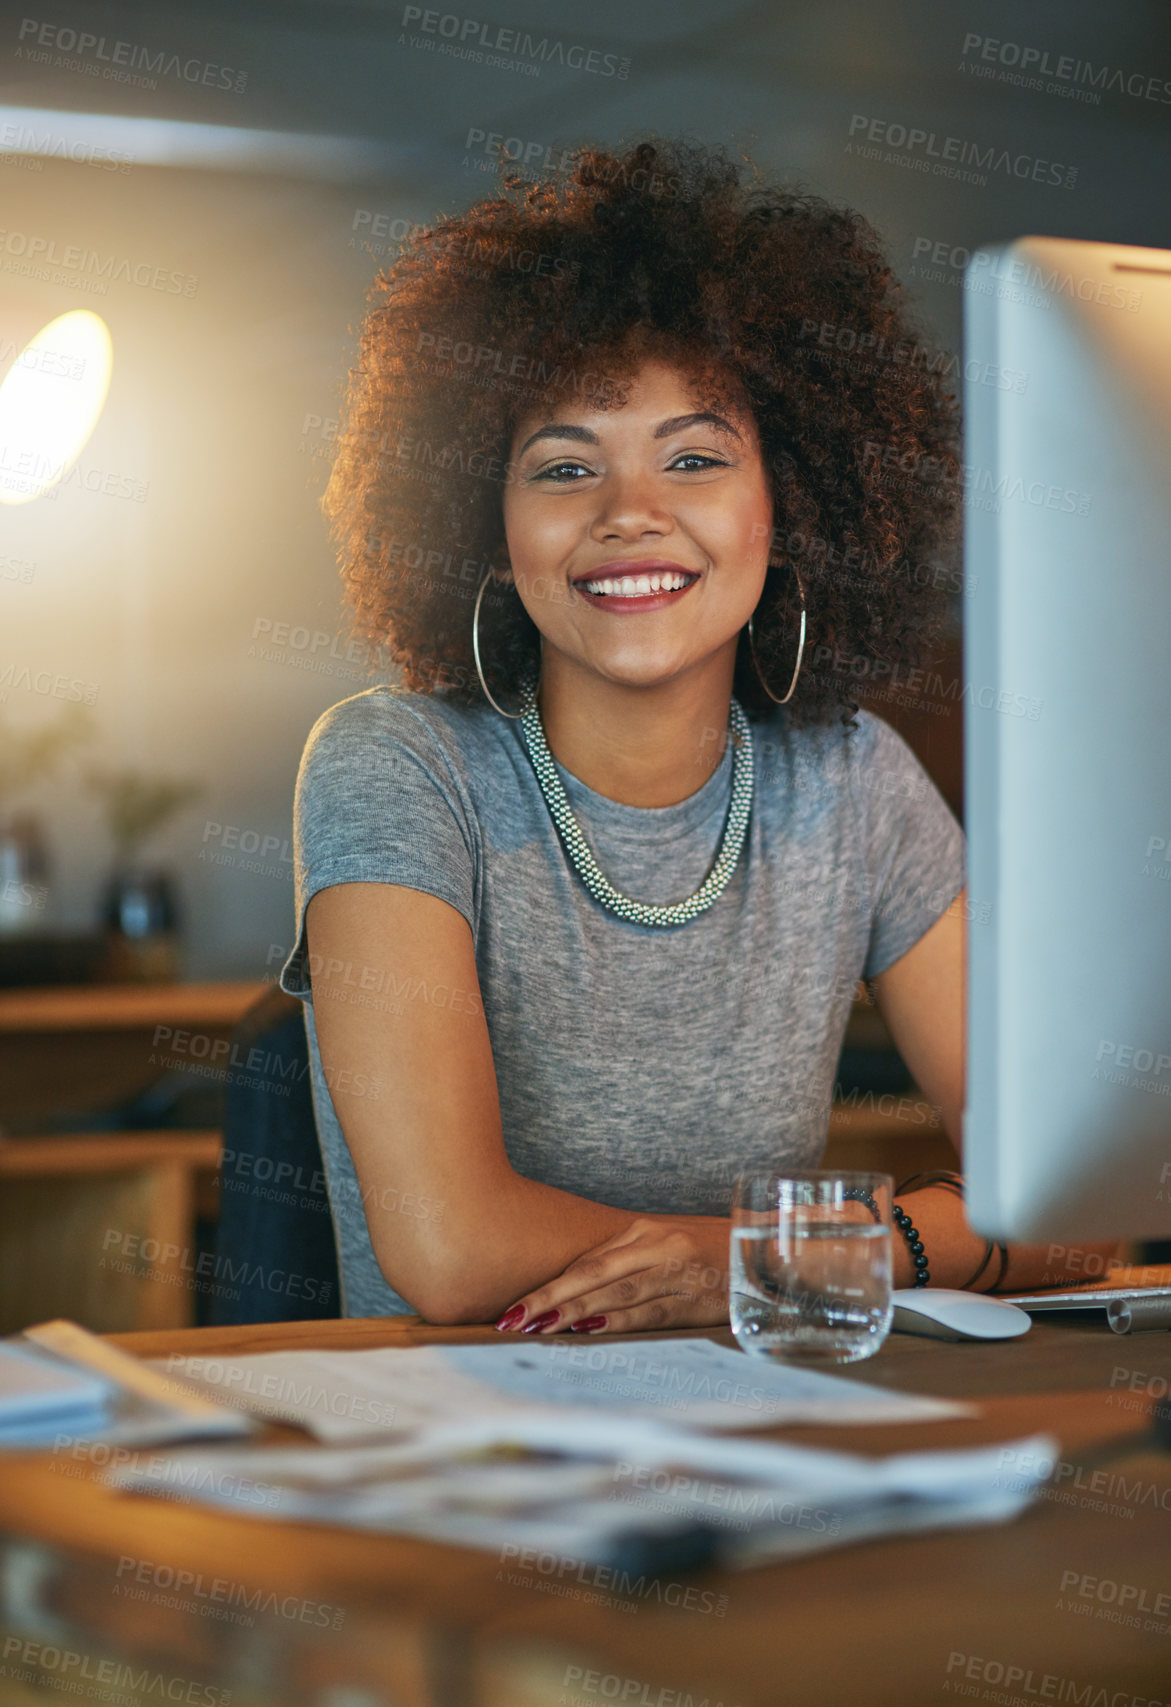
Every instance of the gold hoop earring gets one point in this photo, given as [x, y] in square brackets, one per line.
[530, 690]
[800, 649]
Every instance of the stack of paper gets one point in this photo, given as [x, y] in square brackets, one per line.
[59, 1383]
[41, 1397]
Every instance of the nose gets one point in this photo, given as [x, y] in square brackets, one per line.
[629, 508]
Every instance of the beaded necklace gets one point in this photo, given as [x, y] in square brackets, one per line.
[578, 849]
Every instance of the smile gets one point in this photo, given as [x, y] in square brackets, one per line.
[637, 592]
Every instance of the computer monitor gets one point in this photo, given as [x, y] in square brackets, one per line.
[1067, 751]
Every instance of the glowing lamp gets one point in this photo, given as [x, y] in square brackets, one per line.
[52, 392]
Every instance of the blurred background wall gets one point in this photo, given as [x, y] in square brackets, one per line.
[221, 183]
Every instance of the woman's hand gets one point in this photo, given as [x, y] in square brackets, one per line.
[662, 1271]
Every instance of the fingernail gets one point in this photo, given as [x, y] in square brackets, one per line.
[545, 1321]
[511, 1318]
[587, 1325]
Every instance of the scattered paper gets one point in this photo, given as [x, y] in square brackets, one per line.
[342, 1396]
[552, 1494]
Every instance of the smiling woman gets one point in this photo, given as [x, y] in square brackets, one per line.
[583, 962]
[539, 305]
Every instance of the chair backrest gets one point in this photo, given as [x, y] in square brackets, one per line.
[276, 1258]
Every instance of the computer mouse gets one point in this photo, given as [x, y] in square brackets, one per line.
[944, 1314]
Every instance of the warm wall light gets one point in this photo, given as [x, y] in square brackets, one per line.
[50, 399]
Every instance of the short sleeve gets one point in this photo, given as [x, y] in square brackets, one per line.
[914, 845]
[376, 802]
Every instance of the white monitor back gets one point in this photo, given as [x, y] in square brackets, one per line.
[1067, 728]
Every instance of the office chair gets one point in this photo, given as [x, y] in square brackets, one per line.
[275, 1257]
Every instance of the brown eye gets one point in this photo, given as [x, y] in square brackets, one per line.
[552, 470]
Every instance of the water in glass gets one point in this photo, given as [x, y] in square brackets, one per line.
[811, 1291]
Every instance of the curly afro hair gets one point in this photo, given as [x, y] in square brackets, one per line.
[557, 289]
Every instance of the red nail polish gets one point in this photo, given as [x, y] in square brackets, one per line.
[511, 1318]
[545, 1321]
[588, 1325]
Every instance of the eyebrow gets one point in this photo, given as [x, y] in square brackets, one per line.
[664, 430]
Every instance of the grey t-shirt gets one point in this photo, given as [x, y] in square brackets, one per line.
[637, 1066]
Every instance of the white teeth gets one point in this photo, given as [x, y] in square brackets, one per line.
[638, 586]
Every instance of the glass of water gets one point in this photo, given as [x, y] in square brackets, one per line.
[811, 1264]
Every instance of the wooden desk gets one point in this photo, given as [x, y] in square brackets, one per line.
[72, 1045]
[100, 1227]
[878, 1624]
[62, 1196]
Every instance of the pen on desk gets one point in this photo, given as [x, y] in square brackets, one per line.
[1138, 1315]
[654, 1553]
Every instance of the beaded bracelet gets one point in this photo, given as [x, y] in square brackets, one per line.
[903, 1222]
[955, 1182]
[948, 1180]
[911, 1234]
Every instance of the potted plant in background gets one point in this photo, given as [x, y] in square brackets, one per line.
[139, 907]
[28, 757]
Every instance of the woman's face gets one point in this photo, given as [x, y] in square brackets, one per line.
[600, 501]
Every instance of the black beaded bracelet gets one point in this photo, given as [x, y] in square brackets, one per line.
[903, 1222]
[952, 1181]
[911, 1235]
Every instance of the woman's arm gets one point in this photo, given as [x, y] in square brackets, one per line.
[396, 1000]
[433, 1133]
[921, 998]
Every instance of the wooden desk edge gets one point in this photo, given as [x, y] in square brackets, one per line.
[118, 1007]
[351, 1332]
